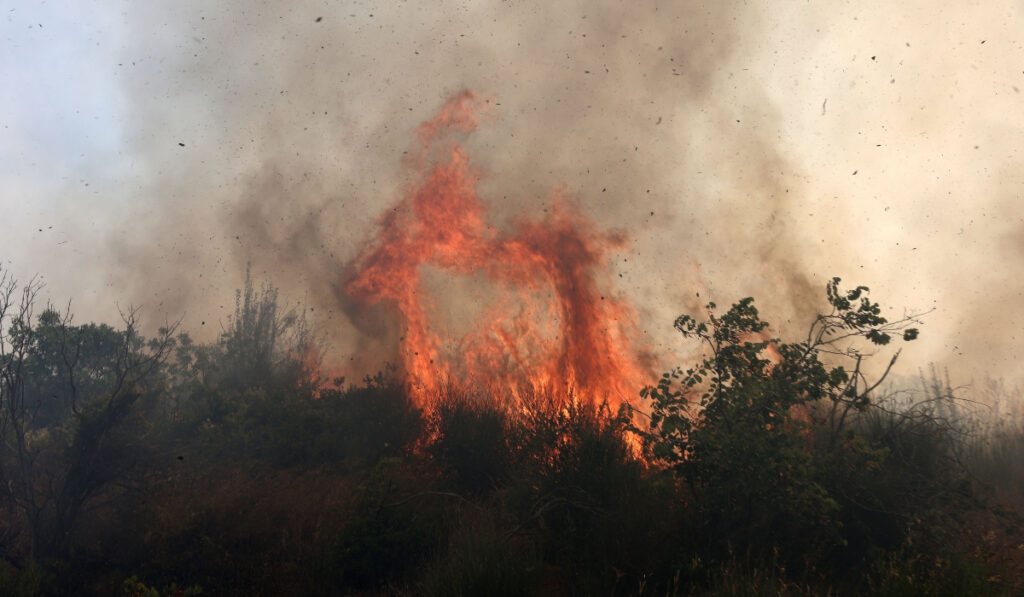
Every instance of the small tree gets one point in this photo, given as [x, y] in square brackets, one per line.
[734, 428]
[263, 346]
[65, 395]
[264, 341]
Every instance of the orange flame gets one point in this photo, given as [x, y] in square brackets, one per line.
[551, 329]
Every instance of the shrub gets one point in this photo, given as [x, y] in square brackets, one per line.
[733, 428]
[469, 441]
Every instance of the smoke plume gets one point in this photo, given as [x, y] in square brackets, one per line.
[739, 148]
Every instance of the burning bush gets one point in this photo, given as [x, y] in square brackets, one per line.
[551, 326]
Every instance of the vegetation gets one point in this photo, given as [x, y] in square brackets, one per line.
[163, 466]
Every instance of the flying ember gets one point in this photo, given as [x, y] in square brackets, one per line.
[550, 322]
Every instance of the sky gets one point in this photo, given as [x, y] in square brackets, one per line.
[149, 151]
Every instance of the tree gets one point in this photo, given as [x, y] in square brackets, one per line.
[264, 342]
[66, 393]
[263, 348]
[735, 427]
[68, 366]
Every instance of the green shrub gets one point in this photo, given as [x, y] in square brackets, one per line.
[734, 429]
[470, 442]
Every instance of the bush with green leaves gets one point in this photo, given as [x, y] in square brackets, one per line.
[736, 428]
[71, 434]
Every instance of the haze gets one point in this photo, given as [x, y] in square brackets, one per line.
[148, 152]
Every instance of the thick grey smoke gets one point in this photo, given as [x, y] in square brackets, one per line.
[744, 148]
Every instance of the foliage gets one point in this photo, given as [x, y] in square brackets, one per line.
[766, 467]
[734, 427]
[470, 441]
[29, 581]
[383, 539]
[483, 560]
[66, 433]
[908, 572]
[577, 485]
[263, 344]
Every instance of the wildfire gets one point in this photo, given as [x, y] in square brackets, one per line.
[549, 328]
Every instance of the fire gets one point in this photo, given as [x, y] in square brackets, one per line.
[551, 327]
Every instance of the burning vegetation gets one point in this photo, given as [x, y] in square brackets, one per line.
[553, 324]
[520, 448]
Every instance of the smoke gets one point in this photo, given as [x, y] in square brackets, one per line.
[742, 149]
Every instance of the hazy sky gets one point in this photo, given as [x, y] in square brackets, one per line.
[148, 151]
